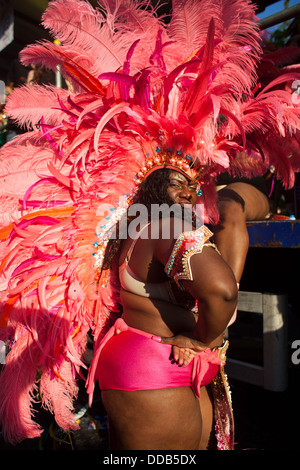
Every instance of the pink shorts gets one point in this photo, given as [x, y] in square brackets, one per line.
[131, 359]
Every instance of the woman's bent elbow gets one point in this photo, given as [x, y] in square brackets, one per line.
[228, 290]
[224, 293]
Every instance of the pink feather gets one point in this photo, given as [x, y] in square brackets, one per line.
[78, 24]
[21, 166]
[28, 104]
[239, 39]
[17, 384]
[58, 396]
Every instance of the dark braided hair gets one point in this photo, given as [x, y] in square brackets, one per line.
[153, 190]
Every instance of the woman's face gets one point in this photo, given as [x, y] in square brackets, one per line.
[181, 190]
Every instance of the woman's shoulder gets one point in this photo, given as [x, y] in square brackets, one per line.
[164, 233]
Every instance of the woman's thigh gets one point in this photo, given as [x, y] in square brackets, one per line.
[165, 419]
[207, 413]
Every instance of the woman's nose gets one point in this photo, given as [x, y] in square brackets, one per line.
[186, 193]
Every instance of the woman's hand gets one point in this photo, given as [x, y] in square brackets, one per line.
[184, 348]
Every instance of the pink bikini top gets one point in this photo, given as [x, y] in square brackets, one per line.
[130, 283]
[177, 268]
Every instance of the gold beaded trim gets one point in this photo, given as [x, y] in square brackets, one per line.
[178, 265]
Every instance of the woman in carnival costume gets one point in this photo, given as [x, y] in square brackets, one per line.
[155, 114]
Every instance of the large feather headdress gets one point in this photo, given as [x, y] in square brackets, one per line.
[142, 95]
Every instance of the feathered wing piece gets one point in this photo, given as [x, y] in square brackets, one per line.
[144, 96]
[95, 39]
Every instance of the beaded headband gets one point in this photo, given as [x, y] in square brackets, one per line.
[167, 159]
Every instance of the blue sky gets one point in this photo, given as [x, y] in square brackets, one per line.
[275, 8]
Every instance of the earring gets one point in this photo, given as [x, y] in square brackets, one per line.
[199, 193]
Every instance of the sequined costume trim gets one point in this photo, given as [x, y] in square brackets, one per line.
[223, 413]
[187, 244]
